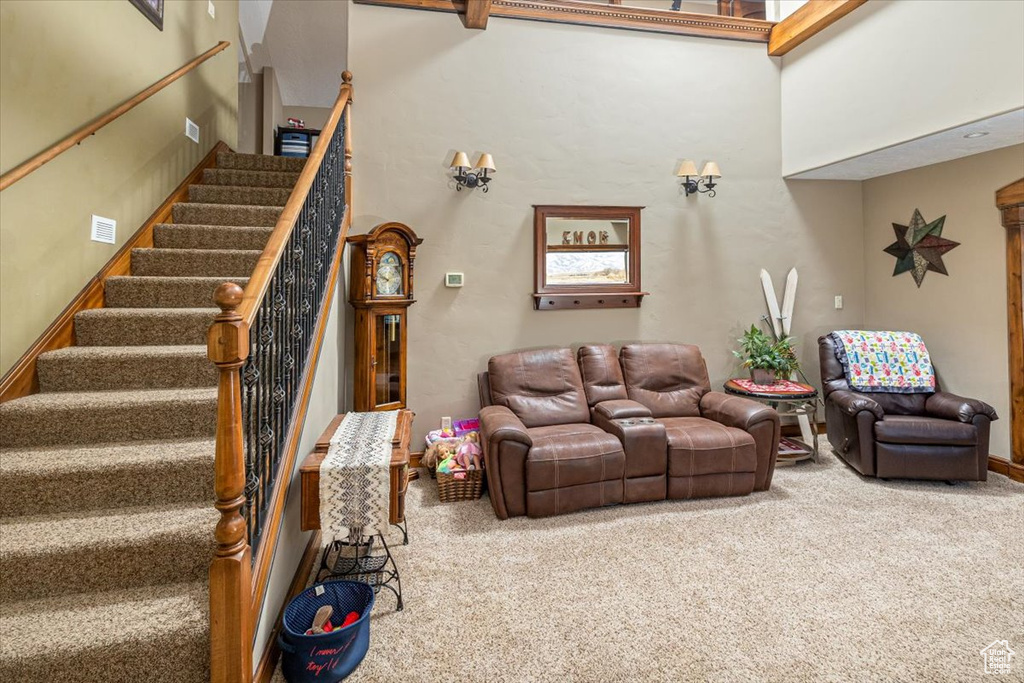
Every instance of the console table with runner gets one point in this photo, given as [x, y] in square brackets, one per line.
[357, 558]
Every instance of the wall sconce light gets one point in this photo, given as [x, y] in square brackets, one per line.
[477, 177]
[702, 182]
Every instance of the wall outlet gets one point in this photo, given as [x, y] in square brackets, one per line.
[453, 279]
[103, 230]
[191, 130]
[839, 301]
[210, 8]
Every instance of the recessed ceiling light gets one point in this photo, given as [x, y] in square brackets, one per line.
[978, 134]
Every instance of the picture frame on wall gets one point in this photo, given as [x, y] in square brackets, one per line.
[152, 9]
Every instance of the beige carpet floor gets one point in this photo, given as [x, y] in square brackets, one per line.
[826, 577]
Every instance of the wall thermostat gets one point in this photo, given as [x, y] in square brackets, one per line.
[453, 279]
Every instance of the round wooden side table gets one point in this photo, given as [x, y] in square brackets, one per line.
[787, 398]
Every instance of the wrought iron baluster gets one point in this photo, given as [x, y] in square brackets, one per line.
[283, 331]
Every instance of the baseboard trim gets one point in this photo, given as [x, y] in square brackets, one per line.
[271, 653]
[1006, 468]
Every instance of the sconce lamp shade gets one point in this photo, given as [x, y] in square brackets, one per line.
[460, 160]
[486, 161]
[710, 170]
[687, 168]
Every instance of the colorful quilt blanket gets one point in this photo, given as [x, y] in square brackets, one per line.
[885, 361]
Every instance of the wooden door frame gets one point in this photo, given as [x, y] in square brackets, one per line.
[1010, 202]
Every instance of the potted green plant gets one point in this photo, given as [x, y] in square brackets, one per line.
[766, 358]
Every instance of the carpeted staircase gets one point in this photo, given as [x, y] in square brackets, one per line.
[106, 475]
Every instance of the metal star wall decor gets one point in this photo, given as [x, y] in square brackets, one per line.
[919, 247]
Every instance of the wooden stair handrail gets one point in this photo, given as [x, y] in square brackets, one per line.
[259, 281]
[52, 152]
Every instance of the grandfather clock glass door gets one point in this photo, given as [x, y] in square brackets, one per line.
[388, 363]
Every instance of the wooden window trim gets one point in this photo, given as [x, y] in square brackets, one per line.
[560, 297]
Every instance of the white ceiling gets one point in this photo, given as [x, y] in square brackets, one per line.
[305, 41]
[1003, 130]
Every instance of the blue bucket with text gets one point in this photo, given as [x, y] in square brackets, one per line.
[326, 657]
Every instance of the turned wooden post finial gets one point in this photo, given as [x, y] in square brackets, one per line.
[228, 338]
[228, 297]
[346, 77]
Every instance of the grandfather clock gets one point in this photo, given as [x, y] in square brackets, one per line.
[380, 290]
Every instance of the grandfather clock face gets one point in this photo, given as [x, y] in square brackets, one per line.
[388, 278]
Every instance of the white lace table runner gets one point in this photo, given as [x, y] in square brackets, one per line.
[355, 477]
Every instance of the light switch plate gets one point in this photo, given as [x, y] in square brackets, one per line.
[453, 279]
[191, 130]
[210, 8]
[103, 230]
[839, 301]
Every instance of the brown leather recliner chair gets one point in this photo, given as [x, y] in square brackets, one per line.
[717, 444]
[904, 436]
[542, 455]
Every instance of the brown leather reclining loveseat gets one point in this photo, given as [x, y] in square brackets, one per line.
[563, 434]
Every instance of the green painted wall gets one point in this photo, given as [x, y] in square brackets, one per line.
[61, 65]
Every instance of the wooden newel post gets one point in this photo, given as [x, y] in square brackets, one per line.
[231, 570]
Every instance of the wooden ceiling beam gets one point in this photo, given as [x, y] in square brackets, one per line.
[809, 19]
[475, 13]
[590, 13]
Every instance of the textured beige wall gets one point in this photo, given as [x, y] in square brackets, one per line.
[273, 110]
[581, 115]
[962, 317]
[325, 402]
[62, 64]
[315, 117]
[250, 116]
[894, 71]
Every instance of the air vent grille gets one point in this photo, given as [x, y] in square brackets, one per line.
[104, 230]
[191, 130]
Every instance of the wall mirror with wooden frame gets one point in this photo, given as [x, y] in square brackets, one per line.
[587, 257]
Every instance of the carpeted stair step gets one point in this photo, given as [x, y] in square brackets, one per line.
[259, 162]
[143, 326]
[194, 262]
[111, 368]
[172, 236]
[232, 194]
[55, 479]
[128, 547]
[108, 416]
[232, 176]
[157, 634]
[163, 292]
[224, 214]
